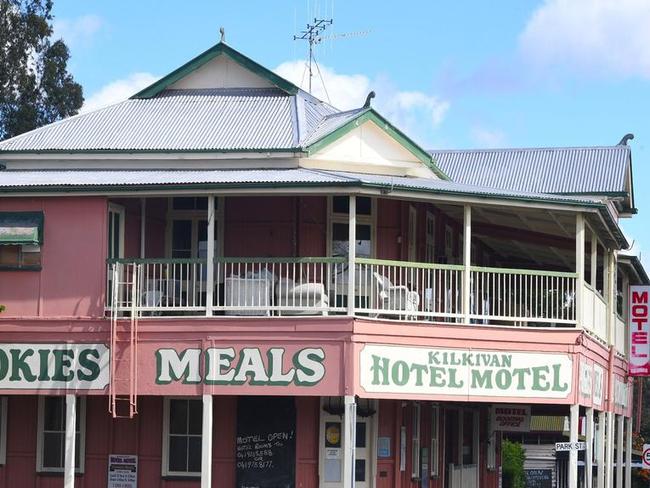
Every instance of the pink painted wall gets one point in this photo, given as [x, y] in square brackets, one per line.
[71, 282]
[155, 224]
[142, 436]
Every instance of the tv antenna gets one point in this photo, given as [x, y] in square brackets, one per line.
[312, 34]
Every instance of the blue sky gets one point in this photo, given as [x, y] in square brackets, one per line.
[456, 74]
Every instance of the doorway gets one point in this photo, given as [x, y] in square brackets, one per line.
[461, 447]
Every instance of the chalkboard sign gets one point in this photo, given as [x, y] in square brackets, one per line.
[266, 442]
[539, 478]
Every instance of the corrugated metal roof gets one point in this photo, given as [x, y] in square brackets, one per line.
[330, 124]
[586, 170]
[232, 119]
[142, 177]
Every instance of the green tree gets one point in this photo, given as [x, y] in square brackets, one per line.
[35, 86]
[512, 463]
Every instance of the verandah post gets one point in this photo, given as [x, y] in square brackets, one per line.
[580, 268]
[609, 451]
[619, 450]
[628, 452]
[70, 440]
[209, 286]
[467, 255]
[352, 251]
[600, 451]
[589, 450]
[206, 443]
[573, 437]
[349, 440]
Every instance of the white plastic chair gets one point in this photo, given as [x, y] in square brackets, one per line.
[396, 297]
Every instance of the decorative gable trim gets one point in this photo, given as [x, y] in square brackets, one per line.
[206, 56]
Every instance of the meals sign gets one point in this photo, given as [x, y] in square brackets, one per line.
[464, 372]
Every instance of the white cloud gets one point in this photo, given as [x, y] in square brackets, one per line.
[417, 113]
[118, 90]
[78, 31]
[606, 37]
[488, 138]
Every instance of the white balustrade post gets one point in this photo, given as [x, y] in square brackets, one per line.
[573, 437]
[209, 286]
[206, 443]
[619, 450]
[349, 440]
[580, 268]
[628, 452]
[70, 440]
[600, 451]
[589, 451]
[467, 256]
[352, 252]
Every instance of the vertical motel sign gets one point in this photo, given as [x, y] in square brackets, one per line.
[639, 320]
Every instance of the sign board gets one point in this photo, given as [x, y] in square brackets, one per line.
[266, 442]
[570, 446]
[638, 317]
[599, 385]
[54, 366]
[122, 471]
[586, 379]
[645, 458]
[510, 418]
[465, 372]
[538, 478]
[248, 365]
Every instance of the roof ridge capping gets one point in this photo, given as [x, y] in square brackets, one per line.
[623, 147]
[221, 48]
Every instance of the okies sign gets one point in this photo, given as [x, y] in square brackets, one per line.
[53, 366]
[463, 372]
[248, 365]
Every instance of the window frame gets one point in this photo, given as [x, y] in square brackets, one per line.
[165, 471]
[430, 237]
[81, 417]
[341, 218]
[195, 216]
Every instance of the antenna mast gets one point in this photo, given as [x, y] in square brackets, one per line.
[313, 36]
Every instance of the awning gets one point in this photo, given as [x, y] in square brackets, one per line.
[21, 228]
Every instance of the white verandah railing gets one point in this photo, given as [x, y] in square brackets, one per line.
[319, 286]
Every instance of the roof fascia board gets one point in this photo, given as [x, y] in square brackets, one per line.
[371, 115]
[206, 56]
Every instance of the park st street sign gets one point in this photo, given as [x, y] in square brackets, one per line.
[464, 372]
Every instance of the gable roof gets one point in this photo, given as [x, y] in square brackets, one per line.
[208, 55]
[564, 170]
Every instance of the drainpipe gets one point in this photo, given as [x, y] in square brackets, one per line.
[467, 256]
[209, 286]
[70, 440]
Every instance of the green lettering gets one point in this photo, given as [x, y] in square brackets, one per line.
[520, 375]
[453, 381]
[419, 369]
[18, 365]
[437, 377]
[379, 367]
[540, 383]
[400, 373]
[88, 360]
[43, 374]
[4, 364]
[556, 379]
[482, 379]
[503, 379]
[61, 364]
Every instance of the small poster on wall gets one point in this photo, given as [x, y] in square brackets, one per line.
[122, 471]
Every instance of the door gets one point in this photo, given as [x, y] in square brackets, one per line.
[115, 246]
[462, 448]
[332, 445]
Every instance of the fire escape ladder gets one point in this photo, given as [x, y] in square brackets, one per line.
[123, 386]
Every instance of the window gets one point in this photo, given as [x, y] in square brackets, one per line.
[435, 444]
[21, 236]
[50, 456]
[182, 426]
[188, 227]
[415, 442]
[339, 227]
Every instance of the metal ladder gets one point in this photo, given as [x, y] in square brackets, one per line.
[120, 404]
